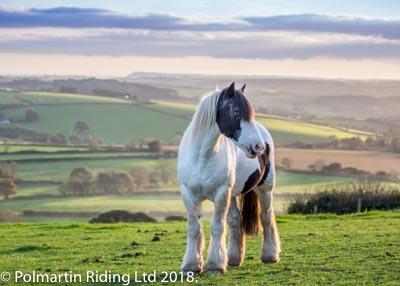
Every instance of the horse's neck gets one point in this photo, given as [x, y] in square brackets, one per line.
[207, 143]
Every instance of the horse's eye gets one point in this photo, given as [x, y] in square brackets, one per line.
[236, 114]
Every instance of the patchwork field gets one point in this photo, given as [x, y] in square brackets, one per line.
[361, 249]
[364, 160]
[118, 121]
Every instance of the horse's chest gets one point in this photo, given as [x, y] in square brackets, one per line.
[207, 178]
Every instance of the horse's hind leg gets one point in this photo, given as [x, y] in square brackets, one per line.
[217, 258]
[193, 259]
[237, 239]
[271, 243]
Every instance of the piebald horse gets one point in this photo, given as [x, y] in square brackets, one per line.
[225, 154]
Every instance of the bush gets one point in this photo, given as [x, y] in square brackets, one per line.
[175, 218]
[7, 188]
[141, 176]
[122, 216]
[344, 199]
[286, 162]
[31, 116]
[155, 146]
[115, 183]
[7, 216]
[81, 127]
[58, 139]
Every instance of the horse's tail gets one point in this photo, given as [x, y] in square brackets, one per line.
[250, 211]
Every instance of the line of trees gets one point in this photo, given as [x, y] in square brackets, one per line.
[7, 184]
[83, 181]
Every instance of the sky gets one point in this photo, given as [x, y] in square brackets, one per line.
[303, 38]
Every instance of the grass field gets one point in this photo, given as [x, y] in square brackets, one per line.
[70, 156]
[285, 130]
[12, 148]
[365, 160]
[287, 182]
[119, 122]
[61, 170]
[52, 97]
[359, 249]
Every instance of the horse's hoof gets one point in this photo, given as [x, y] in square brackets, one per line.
[234, 263]
[270, 259]
[195, 269]
[215, 271]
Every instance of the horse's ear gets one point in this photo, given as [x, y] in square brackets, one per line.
[231, 90]
[243, 88]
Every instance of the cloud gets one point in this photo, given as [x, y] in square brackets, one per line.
[333, 24]
[219, 44]
[98, 18]
[78, 31]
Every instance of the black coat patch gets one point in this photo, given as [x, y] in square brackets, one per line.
[252, 181]
[265, 163]
[258, 177]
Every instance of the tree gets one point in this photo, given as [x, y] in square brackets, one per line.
[332, 168]
[7, 188]
[31, 116]
[6, 145]
[74, 139]
[317, 166]
[286, 162]
[167, 171]
[58, 139]
[81, 127]
[155, 146]
[95, 144]
[112, 182]
[8, 170]
[79, 182]
[141, 176]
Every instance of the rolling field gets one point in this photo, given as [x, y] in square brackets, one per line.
[361, 249]
[13, 148]
[137, 121]
[365, 160]
[60, 170]
[287, 182]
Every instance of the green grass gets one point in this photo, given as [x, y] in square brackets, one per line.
[316, 250]
[52, 97]
[119, 122]
[26, 190]
[287, 182]
[60, 170]
[144, 203]
[59, 156]
[285, 131]
[17, 148]
[114, 123]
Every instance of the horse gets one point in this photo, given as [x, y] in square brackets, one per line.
[224, 155]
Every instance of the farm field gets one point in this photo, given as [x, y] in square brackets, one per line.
[358, 249]
[60, 170]
[15, 148]
[365, 160]
[71, 156]
[162, 120]
[287, 182]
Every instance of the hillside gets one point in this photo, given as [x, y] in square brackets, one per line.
[119, 121]
[358, 249]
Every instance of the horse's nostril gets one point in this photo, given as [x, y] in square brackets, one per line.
[259, 147]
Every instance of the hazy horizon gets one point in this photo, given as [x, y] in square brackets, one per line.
[356, 40]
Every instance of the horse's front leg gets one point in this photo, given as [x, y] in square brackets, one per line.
[237, 238]
[193, 259]
[217, 259]
[271, 243]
